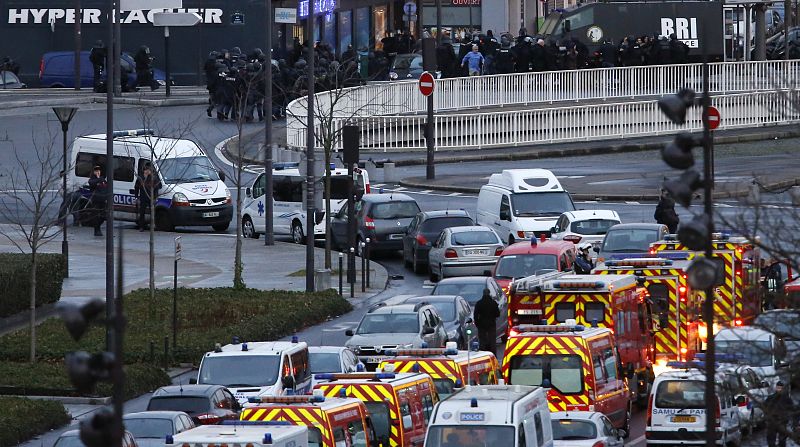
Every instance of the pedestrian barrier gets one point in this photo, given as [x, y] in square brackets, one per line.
[389, 113]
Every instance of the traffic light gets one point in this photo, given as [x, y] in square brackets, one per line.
[78, 318]
[675, 106]
[85, 369]
[98, 431]
[694, 234]
[704, 273]
[682, 189]
[678, 154]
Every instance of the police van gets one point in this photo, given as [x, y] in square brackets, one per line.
[253, 369]
[289, 207]
[235, 433]
[192, 192]
[676, 408]
[492, 415]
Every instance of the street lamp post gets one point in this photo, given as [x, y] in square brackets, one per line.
[64, 115]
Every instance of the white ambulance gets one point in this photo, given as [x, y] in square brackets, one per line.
[492, 415]
[238, 433]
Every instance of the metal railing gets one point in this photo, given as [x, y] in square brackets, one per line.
[388, 112]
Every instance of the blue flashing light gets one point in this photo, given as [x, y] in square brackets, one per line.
[474, 345]
[169, 440]
[546, 383]
[424, 345]
[534, 241]
[235, 422]
[244, 346]
[235, 340]
[473, 402]
[267, 438]
[290, 392]
[391, 352]
[721, 358]
[415, 367]
[384, 376]
[451, 352]
[594, 322]
[360, 368]
[459, 384]
[317, 399]
[343, 392]
[295, 339]
[254, 400]
[686, 365]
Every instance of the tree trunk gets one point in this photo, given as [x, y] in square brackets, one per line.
[238, 281]
[152, 244]
[33, 301]
[327, 207]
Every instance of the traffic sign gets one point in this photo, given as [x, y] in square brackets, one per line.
[410, 8]
[713, 117]
[176, 19]
[426, 83]
[178, 248]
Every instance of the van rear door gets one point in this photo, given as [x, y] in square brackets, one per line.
[679, 405]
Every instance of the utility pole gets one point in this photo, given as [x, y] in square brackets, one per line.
[269, 231]
[117, 49]
[112, 61]
[310, 176]
[78, 44]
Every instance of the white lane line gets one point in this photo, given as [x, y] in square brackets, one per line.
[632, 203]
[400, 188]
[453, 194]
[635, 441]
[426, 191]
[224, 159]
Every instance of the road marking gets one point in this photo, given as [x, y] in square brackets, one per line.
[377, 185]
[570, 176]
[632, 203]
[426, 191]
[224, 159]
[400, 188]
[635, 441]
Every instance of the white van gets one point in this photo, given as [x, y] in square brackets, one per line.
[522, 203]
[192, 192]
[494, 415]
[757, 348]
[253, 369]
[289, 207]
[237, 433]
[676, 408]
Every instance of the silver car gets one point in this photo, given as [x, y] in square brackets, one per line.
[150, 427]
[464, 251]
[331, 359]
[585, 428]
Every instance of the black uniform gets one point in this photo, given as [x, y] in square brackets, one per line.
[505, 61]
[99, 188]
[98, 59]
[665, 213]
[144, 68]
[485, 316]
[142, 191]
[778, 408]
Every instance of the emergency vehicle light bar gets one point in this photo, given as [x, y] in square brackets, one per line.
[132, 133]
[335, 376]
[579, 285]
[638, 262]
[720, 358]
[237, 422]
[686, 365]
[548, 328]
[421, 352]
[285, 399]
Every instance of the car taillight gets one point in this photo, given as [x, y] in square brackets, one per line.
[421, 240]
[369, 223]
[572, 238]
[41, 68]
[498, 251]
[208, 419]
[450, 253]
[738, 322]
[649, 410]
[652, 251]
[599, 444]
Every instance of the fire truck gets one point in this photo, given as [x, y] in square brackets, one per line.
[675, 306]
[330, 421]
[738, 300]
[616, 302]
[525, 305]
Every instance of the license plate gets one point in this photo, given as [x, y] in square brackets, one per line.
[395, 237]
[475, 252]
[211, 214]
[529, 312]
[683, 419]
[374, 359]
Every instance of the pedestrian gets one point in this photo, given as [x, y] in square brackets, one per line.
[778, 407]
[146, 188]
[99, 190]
[98, 59]
[144, 68]
[473, 61]
[485, 316]
[539, 56]
[583, 262]
[665, 212]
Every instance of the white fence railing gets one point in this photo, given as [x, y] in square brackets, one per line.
[389, 112]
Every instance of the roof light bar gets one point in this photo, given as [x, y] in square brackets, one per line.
[579, 285]
[285, 399]
[548, 328]
[369, 376]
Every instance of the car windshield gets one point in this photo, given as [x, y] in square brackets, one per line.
[445, 309]
[324, 362]
[470, 435]
[749, 352]
[149, 427]
[69, 441]
[541, 203]
[684, 394]
[379, 413]
[521, 266]
[187, 170]
[783, 323]
[444, 387]
[404, 62]
[394, 210]
[474, 238]
[389, 323]
[189, 404]
[563, 371]
[629, 240]
[436, 225]
[573, 430]
[592, 227]
[240, 370]
[471, 292]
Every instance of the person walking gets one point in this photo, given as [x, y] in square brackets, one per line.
[779, 408]
[485, 316]
[99, 189]
[98, 59]
[473, 61]
[665, 212]
[146, 188]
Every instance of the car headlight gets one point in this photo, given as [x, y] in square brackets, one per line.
[179, 199]
[392, 75]
[227, 196]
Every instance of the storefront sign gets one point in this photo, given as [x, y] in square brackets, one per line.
[285, 15]
[320, 6]
[466, 2]
[19, 16]
[237, 18]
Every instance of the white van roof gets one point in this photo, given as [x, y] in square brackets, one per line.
[258, 348]
[493, 404]
[743, 333]
[161, 147]
[278, 435]
[526, 180]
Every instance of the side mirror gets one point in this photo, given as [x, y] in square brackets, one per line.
[621, 433]
[427, 330]
[222, 176]
[553, 230]
[349, 333]
[193, 381]
[248, 192]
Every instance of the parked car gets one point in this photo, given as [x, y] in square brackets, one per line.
[71, 438]
[398, 326]
[471, 289]
[423, 231]
[8, 80]
[784, 324]
[630, 239]
[150, 427]
[455, 312]
[205, 404]
[406, 66]
[331, 359]
[472, 250]
[761, 350]
[585, 226]
[57, 69]
[749, 392]
[585, 428]
[381, 218]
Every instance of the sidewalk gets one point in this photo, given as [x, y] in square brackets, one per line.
[180, 96]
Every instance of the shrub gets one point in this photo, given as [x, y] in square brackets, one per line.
[15, 271]
[22, 419]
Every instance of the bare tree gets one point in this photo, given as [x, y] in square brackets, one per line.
[31, 207]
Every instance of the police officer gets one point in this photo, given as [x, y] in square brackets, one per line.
[583, 262]
[210, 68]
[486, 313]
[144, 68]
[505, 58]
[147, 187]
[98, 59]
[99, 189]
[778, 408]
[665, 212]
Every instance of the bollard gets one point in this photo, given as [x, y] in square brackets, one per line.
[353, 277]
[363, 268]
[366, 253]
[389, 175]
[166, 352]
[341, 256]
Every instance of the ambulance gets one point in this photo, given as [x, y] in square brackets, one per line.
[331, 421]
[579, 365]
[613, 301]
[738, 300]
[492, 415]
[241, 434]
[449, 368]
[675, 305]
[399, 405]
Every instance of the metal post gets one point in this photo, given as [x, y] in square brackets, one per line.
[363, 268]
[439, 22]
[366, 253]
[117, 49]
[64, 243]
[310, 175]
[166, 59]
[341, 266]
[78, 44]
[269, 231]
[175, 305]
[118, 327]
[747, 46]
[111, 62]
[430, 169]
[787, 23]
[352, 277]
[166, 352]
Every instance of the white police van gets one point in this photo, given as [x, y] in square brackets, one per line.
[492, 415]
[676, 408]
[289, 207]
[238, 433]
[253, 369]
[192, 192]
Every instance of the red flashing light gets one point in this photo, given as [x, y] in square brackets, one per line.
[450, 253]
[652, 251]
[738, 322]
[738, 273]
[542, 237]
[650, 410]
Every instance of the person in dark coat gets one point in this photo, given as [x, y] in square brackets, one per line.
[98, 59]
[485, 316]
[539, 56]
[146, 188]
[608, 53]
[665, 212]
[99, 189]
[522, 56]
[678, 51]
[210, 68]
[778, 407]
[144, 68]
[505, 58]
[446, 58]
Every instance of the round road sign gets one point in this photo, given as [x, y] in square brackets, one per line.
[713, 118]
[426, 83]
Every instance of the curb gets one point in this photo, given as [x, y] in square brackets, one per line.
[73, 400]
[191, 101]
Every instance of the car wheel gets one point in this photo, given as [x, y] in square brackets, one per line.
[220, 227]
[297, 233]
[433, 276]
[407, 263]
[248, 229]
[163, 221]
